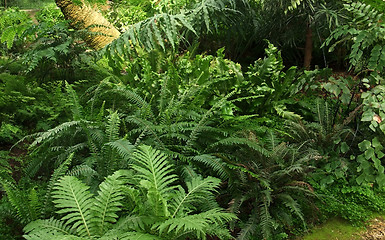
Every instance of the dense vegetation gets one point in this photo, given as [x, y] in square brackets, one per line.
[202, 119]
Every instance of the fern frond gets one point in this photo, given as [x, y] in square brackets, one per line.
[73, 101]
[292, 205]
[54, 132]
[152, 166]
[107, 203]
[112, 128]
[139, 236]
[123, 147]
[82, 170]
[59, 172]
[74, 200]
[249, 229]
[25, 203]
[47, 226]
[196, 224]
[233, 141]
[135, 222]
[215, 164]
[197, 190]
[266, 220]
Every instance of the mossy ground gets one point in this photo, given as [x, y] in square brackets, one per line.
[335, 229]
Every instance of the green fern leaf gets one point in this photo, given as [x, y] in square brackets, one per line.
[107, 203]
[139, 236]
[74, 200]
[214, 163]
[154, 174]
[123, 147]
[47, 226]
[59, 172]
[196, 224]
[197, 190]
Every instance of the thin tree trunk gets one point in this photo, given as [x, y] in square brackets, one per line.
[308, 48]
[84, 17]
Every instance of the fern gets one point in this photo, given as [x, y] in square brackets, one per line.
[155, 175]
[50, 226]
[150, 181]
[74, 200]
[161, 29]
[197, 190]
[195, 224]
[365, 33]
[25, 202]
[107, 203]
[59, 172]
[123, 147]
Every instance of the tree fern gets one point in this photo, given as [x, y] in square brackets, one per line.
[161, 29]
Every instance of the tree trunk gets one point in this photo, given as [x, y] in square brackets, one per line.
[308, 48]
[84, 17]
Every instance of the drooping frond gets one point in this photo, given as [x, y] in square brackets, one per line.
[74, 200]
[233, 141]
[150, 34]
[107, 203]
[54, 133]
[82, 170]
[214, 163]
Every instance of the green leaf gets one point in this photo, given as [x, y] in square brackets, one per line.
[364, 145]
[369, 153]
[376, 144]
[344, 147]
